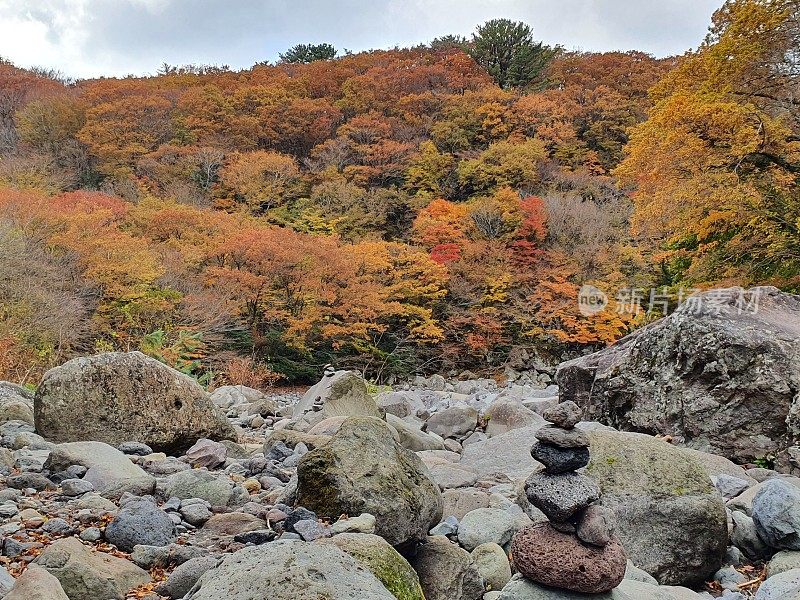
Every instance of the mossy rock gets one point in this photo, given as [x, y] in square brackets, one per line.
[670, 519]
[377, 555]
[635, 464]
[363, 469]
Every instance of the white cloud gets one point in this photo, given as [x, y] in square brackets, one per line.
[116, 37]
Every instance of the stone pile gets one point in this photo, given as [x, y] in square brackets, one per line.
[576, 550]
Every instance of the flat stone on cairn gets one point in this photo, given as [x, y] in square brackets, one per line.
[561, 496]
[563, 438]
[560, 460]
[565, 415]
[577, 549]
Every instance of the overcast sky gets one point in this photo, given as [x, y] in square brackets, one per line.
[85, 38]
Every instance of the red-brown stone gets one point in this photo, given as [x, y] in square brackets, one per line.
[560, 560]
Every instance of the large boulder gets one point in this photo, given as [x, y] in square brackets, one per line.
[88, 575]
[117, 397]
[288, 570]
[363, 469]
[109, 470]
[338, 394]
[383, 561]
[670, 519]
[721, 374]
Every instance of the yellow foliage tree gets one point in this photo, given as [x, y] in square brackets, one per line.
[262, 179]
[716, 166]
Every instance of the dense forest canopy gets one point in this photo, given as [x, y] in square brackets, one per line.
[436, 207]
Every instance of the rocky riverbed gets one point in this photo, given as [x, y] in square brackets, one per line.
[122, 478]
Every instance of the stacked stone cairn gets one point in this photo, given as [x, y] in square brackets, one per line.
[576, 550]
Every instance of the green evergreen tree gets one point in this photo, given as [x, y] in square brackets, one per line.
[507, 50]
[306, 53]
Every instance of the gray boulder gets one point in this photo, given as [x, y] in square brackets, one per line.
[6, 582]
[784, 586]
[493, 565]
[446, 572]
[745, 537]
[670, 519]
[730, 487]
[450, 476]
[117, 397]
[363, 469]
[412, 437]
[25, 459]
[520, 588]
[207, 453]
[776, 514]
[485, 525]
[241, 397]
[186, 575]
[783, 561]
[401, 404]
[88, 575]
[232, 523]
[215, 489]
[459, 502]
[36, 584]
[195, 514]
[506, 454]
[636, 574]
[148, 557]
[340, 394]
[383, 561]
[453, 422]
[140, 522]
[715, 376]
[76, 487]
[637, 590]
[288, 570]
[108, 470]
[16, 403]
[744, 501]
[505, 414]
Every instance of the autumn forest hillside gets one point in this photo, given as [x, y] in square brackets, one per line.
[435, 208]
